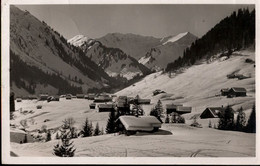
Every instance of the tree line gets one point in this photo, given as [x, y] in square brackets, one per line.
[20, 71]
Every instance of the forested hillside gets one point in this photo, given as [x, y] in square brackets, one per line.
[232, 33]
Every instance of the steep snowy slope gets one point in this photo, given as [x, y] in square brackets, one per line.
[114, 61]
[198, 85]
[170, 49]
[40, 47]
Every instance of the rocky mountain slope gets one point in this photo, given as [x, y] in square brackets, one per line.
[49, 63]
[154, 53]
[114, 61]
[170, 49]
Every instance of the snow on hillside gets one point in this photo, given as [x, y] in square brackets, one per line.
[168, 50]
[175, 38]
[144, 60]
[79, 40]
[198, 85]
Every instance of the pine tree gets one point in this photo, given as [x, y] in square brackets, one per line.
[25, 139]
[226, 121]
[159, 108]
[57, 136]
[12, 106]
[167, 119]
[251, 124]
[97, 131]
[48, 137]
[241, 120]
[87, 129]
[66, 149]
[110, 128]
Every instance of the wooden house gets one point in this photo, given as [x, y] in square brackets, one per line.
[132, 124]
[212, 112]
[105, 107]
[143, 101]
[91, 96]
[44, 96]
[20, 136]
[172, 108]
[68, 96]
[80, 96]
[92, 105]
[102, 98]
[224, 91]
[237, 91]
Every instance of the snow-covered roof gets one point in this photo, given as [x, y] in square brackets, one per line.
[143, 123]
[105, 106]
[172, 106]
[238, 89]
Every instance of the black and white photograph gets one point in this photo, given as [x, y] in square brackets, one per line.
[136, 82]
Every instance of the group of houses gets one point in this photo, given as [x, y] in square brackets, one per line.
[233, 92]
[122, 103]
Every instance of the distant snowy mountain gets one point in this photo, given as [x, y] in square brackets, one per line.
[114, 61]
[43, 62]
[169, 49]
[79, 40]
[154, 53]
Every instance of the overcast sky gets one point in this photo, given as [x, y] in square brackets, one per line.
[149, 20]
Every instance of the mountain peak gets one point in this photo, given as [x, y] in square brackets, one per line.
[173, 39]
[79, 40]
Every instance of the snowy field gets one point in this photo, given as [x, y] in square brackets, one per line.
[197, 87]
[171, 141]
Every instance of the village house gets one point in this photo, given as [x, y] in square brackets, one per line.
[91, 96]
[102, 98]
[44, 96]
[170, 108]
[237, 91]
[80, 96]
[212, 112]
[92, 105]
[132, 124]
[224, 91]
[20, 136]
[105, 107]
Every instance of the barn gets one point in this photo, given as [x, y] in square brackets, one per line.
[212, 112]
[224, 91]
[20, 136]
[105, 107]
[237, 91]
[132, 124]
